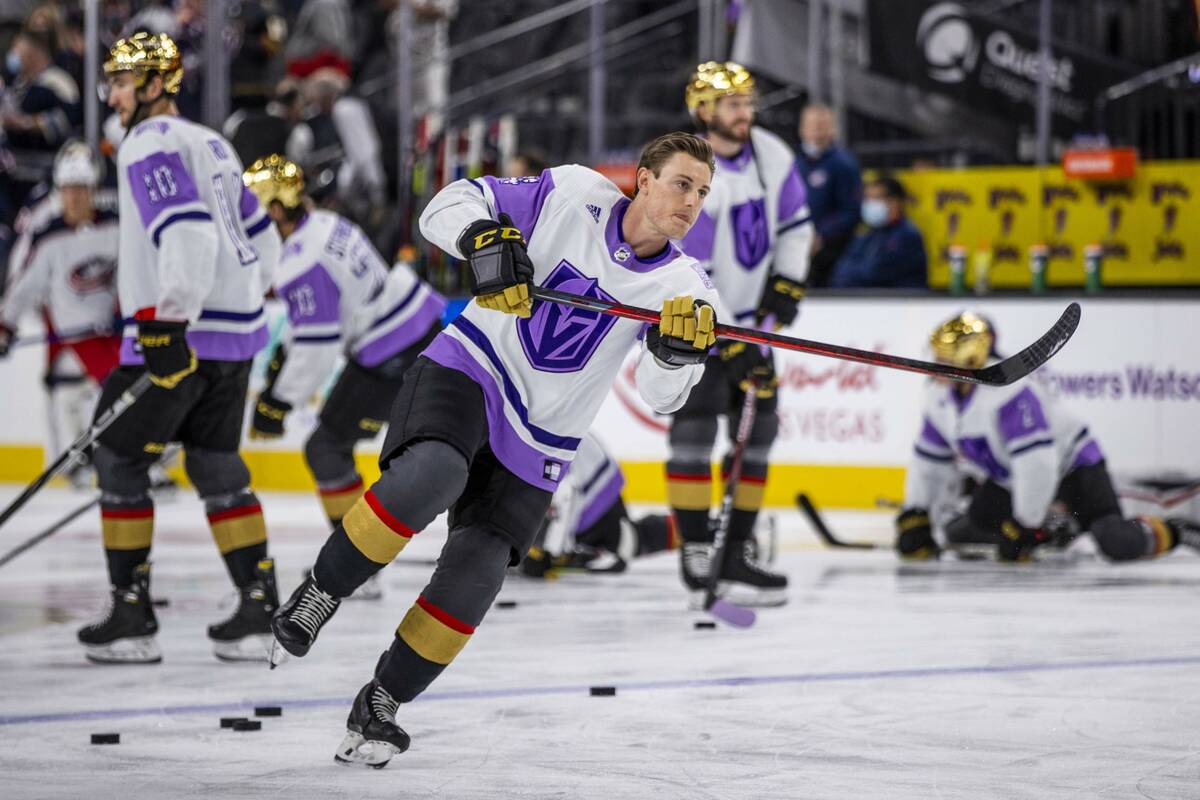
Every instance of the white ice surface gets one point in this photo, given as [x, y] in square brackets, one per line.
[1073, 679]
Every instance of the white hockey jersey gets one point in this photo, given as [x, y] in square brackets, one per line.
[1017, 436]
[755, 223]
[544, 378]
[195, 243]
[592, 486]
[71, 273]
[341, 297]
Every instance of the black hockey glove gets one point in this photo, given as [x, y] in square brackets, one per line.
[1015, 543]
[745, 362]
[781, 300]
[269, 414]
[684, 332]
[164, 346]
[500, 269]
[914, 535]
[7, 337]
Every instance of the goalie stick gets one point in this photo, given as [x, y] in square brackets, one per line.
[1001, 373]
[826, 535]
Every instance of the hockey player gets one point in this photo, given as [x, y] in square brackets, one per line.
[753, 237]
[1025, 453]
[341, 299]
[69, 273]
[588, 527]
[196, 252]
[489, 418]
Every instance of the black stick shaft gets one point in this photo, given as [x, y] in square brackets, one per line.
[721, 538]
[46, 534]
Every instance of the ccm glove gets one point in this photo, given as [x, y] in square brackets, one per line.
[269, 414]
[500, 269]
[747, 363]
[781, 300]
[914, 535]
[165, 349]
[1015, 543]
[684, 332]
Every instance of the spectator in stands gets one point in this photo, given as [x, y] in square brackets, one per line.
[324, 28]
[257, 132]
[891, 253]
[40, 110]
[525, 164]
[834, 189]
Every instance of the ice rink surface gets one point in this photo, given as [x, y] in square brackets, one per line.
[1070, 678]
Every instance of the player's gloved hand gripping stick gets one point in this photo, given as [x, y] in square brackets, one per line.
[1001, 373]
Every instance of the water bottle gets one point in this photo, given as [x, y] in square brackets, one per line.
[1093, 263]
[958, 269]
[1039, 254]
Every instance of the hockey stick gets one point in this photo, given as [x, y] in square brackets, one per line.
[1001, 373]
[727, 612]
[826, 535]
[77, 448]
[46, 534]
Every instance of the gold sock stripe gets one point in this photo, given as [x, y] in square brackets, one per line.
[239, 527]
[338, 502]
[367, 526]
[433, 634]
[127, 529]
[689, 492]
[1162, 535]
[748, 494]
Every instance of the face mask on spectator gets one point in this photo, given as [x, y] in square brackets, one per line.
[13, 62]
[875, 212]
[811, 150]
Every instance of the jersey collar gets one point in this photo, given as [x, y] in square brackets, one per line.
[622, 254]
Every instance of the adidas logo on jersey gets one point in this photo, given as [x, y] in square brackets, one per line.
[594, 211]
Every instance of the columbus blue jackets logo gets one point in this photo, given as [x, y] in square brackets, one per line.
[93, 275]
[559, 338]
[750, 235]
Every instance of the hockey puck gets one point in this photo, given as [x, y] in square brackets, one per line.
[268, 711]
[603, 691]
[229, 722]
[506, 604]
[106, 738]
[160, 602]
[702, 624]
[247, 725]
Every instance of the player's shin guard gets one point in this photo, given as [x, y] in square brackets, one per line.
[440, 623]
[127, 528]
[689, 493]
[240, 533]
[366, 541]
[338, 497]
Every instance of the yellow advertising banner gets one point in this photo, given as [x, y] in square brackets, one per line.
[1148, 227]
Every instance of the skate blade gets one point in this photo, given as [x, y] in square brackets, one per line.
[355, 751]
[368, 592]
[277, 655]
[742, 595]
[248, 648]
[133, 650]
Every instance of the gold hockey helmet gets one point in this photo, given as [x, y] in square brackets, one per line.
[715, 79]
[965, 341]
[145, 53]
[275, 179]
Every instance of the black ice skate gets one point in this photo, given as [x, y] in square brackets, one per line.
[743, 581]
[694, 561]
[1186, 531]
[246, 635]
[126, 635]
[372, 735]
[298, 622]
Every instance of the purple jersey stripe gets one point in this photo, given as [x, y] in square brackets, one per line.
[791, 195]
[405, 334]
[258, 227]
[524, 461]
[209, 345]
[312, 298]
[698, 243]
[1021, 416]
[932, 437]
[604, 499]
[1032, 446]
[158, 182]
[923, 453]
[521, 198]
[180, 217]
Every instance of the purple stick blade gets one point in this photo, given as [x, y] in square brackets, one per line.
[737, 616]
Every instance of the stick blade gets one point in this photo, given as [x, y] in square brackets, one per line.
[730, 614]
[1015, 367]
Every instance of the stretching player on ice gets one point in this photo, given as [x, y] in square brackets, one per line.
[196, 252]
[69, 274]
[489, 418]
[1025, 452]
[588, 528]
[753, 237]
[341, 299]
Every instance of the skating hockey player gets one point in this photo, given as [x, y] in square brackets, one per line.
[341, 300]
[753, 237]
[196, 252]
[588, 528]
[1025, 453]
[69, 274]
[489, 418]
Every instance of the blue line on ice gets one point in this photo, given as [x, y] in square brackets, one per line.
[634, 686]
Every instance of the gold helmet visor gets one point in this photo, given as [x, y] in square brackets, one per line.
[715, 79]
[965, 341]
[275, 179]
